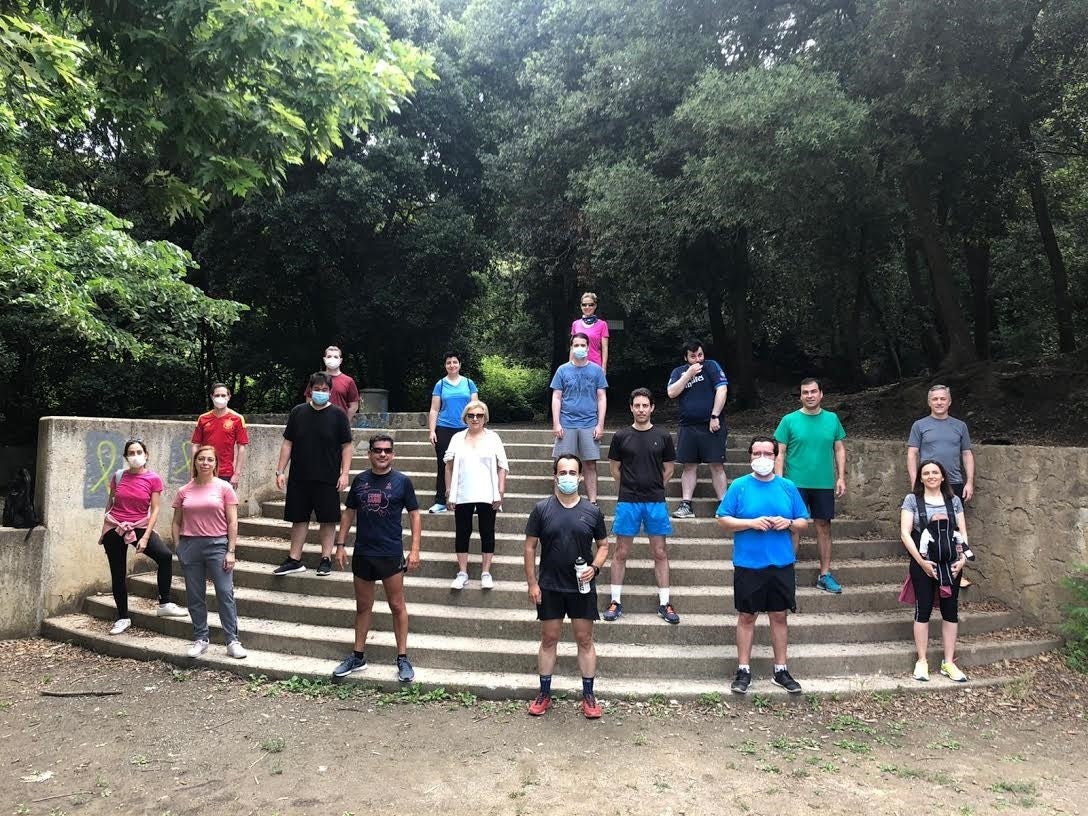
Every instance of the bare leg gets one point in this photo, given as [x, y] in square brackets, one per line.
[394, 595]
[462, 562]
[589, 470]
[587, 652]
[823, 544]
[326, 532]
[921, 639]
[549, 639]
[485, 562]
[618, 567]
[660, 553]
[687, 481]
[746, 631]
[718, 478]
[364, 603]
[298, 538]
[779, 636]
[948, 635]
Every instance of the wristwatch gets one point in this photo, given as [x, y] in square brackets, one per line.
[596, 570]
[715, 416]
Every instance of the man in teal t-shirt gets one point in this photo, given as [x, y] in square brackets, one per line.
[812, 455]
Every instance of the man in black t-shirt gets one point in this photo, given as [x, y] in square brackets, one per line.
[641, 459]
[565, 526]
[317, 443]
[375, 503]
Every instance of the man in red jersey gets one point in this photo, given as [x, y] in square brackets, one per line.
[225, 430]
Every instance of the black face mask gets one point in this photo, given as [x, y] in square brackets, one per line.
[590, 320]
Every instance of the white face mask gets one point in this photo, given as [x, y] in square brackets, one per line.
[332, 363]
[220, 402]
[137, 460]
[763, 465]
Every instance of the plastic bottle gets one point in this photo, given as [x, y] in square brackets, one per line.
[579, 568]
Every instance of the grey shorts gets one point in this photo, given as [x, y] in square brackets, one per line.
[578, 441]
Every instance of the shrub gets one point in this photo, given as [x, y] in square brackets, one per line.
[1075, 627]
[513, 392]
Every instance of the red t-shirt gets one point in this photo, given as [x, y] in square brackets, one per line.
[132, 495]
[343, 392]
[204, 508]
[222, 433]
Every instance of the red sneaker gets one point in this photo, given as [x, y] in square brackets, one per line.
[591, 708]
[541, 704]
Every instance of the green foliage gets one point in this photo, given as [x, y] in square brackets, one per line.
[513, 392]
[1075, 626]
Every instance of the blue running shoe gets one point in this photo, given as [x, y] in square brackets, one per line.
[405, 672]
[668, 614]
[615, 610]
[350, 665]
[828, 583]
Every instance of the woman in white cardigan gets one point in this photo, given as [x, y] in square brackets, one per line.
[476, 469]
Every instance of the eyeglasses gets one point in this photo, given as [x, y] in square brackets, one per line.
[474, 416]
[382, 451]
[586, 305]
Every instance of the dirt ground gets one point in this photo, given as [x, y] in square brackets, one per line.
[201, 742]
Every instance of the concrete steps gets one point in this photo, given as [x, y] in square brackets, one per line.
[485, 642]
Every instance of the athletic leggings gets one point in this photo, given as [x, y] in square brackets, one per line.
[117, 554]
[924, 590]
[462, 514]
[442, 443]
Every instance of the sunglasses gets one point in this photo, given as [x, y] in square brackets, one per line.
[585, 305]
[474, 416]
[382, 451]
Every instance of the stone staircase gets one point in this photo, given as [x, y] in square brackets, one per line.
[485, 642]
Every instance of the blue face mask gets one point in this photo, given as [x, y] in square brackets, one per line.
[568, 485]
[320, 397]
[580, 352]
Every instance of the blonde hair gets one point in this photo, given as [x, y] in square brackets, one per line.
[591, 295]
[476, 405]
[196, 453]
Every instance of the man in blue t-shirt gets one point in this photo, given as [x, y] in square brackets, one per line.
[375, 502]
[701, 387]
[763, 510]
[578, 407]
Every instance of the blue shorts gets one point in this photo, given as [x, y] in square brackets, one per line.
[631, 517]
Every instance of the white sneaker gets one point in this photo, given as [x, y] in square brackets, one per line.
[120, 626]
[460, 581]
[234, 649]
[198, 648]
[172, 610]
[437, 508]
[486, 581]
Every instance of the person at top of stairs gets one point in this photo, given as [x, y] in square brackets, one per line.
[448, 400]
[226, 431]
[579, 403]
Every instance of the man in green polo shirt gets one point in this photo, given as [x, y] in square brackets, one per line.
[812, 455]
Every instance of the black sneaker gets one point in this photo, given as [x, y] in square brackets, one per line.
[325, 567]
[782, 678]
[741, 681]
[288, 566]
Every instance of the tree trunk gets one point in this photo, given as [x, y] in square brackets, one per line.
[923, 320]
[742, 376]
[960, 349]
[1063, 306]
[853, 328]
[878, 314]
[977, 255]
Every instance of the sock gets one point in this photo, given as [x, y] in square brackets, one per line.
[663, 596]
[744, 667]
[617, 592]
[404, 655]
[587, 686]
[358, 654]
[779, 668]
[546, 685]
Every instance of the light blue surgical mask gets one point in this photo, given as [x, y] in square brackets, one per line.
[567, 485]
[320, 397]
[580, 352]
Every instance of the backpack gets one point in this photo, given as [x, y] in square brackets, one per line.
[19, 510]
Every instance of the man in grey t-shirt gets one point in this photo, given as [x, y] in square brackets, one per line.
[945, 439]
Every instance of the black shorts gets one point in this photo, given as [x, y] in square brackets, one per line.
[771, 589]
[557, 605]
[696, 443]
[820, 502]
[305, 498]
[370, 568]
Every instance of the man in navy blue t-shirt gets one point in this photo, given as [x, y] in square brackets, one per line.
[375, 502]
[701, 387]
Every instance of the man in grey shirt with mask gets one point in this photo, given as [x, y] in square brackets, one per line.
[945, 439]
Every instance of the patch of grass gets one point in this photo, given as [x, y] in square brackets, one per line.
[1026, 788]
[966, 810]
[1075, 626]
[139, 760]
[748, 748]
[848, 722]
[761, 702]
[813, 701]
[941, 778]
[657, 700]
[882, 697]
[828, 767]
[5, 705]
[1016, 758]
[272, 745]
[640, 739]
[799, 773]
[465, 698]
[1022, 686]
[947, 742]
[771, 769]
[21, 809]
[902, 772]
[180, 675]
[791, 746]
[710, 699]
[661, 786]
[854, 747]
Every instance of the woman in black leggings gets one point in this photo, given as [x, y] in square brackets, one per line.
[131, 513]
[934, 533]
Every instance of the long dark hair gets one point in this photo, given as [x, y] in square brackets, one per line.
[920, 489]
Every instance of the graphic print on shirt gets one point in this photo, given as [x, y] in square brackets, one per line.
[376, 498]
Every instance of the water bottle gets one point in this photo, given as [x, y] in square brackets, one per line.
[579, 567]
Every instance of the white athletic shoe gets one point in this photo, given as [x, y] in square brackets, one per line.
[460, 581]
[235, 649]
[120, 626]
[486, 581]
[172, 610]
[198, 648]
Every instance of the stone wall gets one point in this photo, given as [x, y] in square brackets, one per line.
[1028, 521]
[20, 581]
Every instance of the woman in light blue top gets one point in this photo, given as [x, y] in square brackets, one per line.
[448, 400]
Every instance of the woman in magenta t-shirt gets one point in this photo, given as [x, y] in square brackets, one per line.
[205, 528]
[594, 328]
[131, 513]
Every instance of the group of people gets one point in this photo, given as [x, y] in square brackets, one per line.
[797, 475]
